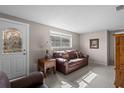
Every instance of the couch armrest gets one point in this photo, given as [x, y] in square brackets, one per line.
[62, 65]
[86, 56]
[61, 60]
[33, 80]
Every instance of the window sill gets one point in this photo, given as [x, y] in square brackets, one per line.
[61, 47]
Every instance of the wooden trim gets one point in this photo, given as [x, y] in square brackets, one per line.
[118, 35]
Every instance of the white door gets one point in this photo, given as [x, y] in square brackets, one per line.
[13, 48]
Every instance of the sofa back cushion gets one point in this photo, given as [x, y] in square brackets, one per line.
[66, 56]
[58, 54]
[72, 54]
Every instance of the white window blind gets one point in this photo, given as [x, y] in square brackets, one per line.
[60, 40]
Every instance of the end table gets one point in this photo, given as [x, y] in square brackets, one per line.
[44, 64]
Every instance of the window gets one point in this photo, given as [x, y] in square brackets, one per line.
[60, 40]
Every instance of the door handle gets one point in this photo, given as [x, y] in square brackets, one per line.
[24, 53]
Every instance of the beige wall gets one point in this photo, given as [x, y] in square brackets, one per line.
[39, 34]
[99, 56]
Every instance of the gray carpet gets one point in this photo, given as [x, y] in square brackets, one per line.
[91, 76]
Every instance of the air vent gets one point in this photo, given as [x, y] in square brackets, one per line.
[120, 7]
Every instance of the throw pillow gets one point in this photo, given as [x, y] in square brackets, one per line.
[65, 56]
[72, 55]
[80, 54]
[77, 54]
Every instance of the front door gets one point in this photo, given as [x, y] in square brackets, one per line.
[13, 48]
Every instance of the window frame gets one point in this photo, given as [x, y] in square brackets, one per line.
[61, 35]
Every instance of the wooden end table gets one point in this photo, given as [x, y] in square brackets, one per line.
[44, 64]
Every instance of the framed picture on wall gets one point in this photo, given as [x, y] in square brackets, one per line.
[94, 43]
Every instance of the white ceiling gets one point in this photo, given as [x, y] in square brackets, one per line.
[77, 19]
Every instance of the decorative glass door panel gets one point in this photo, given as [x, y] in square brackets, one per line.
[12, 41]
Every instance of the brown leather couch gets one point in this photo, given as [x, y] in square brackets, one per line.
[69, 60]
[34, 80]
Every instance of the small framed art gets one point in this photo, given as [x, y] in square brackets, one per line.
[94, 43]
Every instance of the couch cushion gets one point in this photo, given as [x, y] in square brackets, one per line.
[72, 54]
[65, 56]
[4, 81]
[74, 62]
[58, 54]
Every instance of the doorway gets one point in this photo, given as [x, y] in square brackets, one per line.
[14, 48]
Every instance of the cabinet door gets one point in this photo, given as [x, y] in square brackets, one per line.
[121, 78]
[121, 60]
[117, 52]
